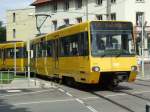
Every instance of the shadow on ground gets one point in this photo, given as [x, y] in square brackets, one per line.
[6, 107]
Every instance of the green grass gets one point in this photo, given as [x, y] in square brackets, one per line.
[19, 76]
[6, 78]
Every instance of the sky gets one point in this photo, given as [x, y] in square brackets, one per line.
[12, 4]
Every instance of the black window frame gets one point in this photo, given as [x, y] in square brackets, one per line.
[82, 43]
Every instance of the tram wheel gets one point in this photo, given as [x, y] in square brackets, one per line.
[69, 81]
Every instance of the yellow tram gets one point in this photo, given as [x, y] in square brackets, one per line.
[94, 52]
[13, 55]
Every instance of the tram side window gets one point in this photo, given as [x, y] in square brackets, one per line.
[39, 50]
[1, 54]
[49, 48]
[43, 49]
[19, 52]
[25, 53]
[9, 53]
[75, 45]
[84, 46]
[70, 46]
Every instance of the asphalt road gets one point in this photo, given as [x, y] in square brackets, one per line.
[125, 98]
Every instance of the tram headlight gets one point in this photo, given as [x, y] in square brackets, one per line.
[134, 68]
[95, 69]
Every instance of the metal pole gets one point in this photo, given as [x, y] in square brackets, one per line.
[142, 20]
[28, 48]
[87, 11]
[108, 9]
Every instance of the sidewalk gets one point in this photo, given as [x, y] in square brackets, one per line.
[25, 84]
[145, 77]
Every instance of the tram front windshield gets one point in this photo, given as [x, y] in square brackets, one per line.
[112, 39]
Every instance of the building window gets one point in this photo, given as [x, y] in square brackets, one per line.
[139, 0]
[139, 16]
[113, 1]
[66, 5]
[66, 21]
[99, 17]
[14, 33]
[14, 17]
[55, 6]
[55, 25]
[79, 20]
[78, 4]
[99, 2]
[113, 16]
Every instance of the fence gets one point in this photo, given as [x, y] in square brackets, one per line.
[6, 77]
[14, 79]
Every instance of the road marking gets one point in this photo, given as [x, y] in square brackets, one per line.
[113, 95]
[90, 98]
[13, 91]
[91, 108]
[124, 94]
[80, 101]
[69, 94]
[24, 93]
[48, 101]
[139, 92]
[61, 90]
[39, 102]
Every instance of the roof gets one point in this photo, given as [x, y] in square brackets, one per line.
[39, 2]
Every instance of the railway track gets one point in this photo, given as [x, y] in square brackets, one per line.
[107, 99]
[117, 103]
[112, 101]
[134, 95]
[146, 85]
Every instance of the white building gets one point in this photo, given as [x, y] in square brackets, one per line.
[21, 24]
[74, 11]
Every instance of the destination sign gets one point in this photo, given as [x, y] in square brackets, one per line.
[108, 25]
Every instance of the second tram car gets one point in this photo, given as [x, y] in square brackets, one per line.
[13, 55]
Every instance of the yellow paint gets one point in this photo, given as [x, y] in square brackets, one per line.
[8, 63]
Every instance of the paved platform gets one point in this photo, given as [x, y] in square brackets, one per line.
[25, 83]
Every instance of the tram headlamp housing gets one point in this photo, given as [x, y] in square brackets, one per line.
[95, 69]
[134, 68]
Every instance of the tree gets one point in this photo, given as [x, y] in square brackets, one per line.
[2, 32]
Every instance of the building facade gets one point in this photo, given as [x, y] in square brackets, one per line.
[21, 24]
[60, 12]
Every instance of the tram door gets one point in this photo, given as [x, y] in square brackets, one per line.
[1, 58]
[55, 55]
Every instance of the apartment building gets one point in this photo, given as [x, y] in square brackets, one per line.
[60, 12]
[21, 25]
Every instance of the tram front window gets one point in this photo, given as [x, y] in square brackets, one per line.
[111, 43]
